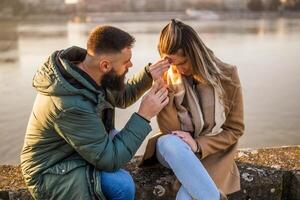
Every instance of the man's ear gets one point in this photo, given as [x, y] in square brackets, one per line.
[104, 66]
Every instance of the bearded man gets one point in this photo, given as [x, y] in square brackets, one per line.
[71, 148]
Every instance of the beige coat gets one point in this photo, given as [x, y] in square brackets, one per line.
[218, 151]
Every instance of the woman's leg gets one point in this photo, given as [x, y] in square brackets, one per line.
[182, 194]
[117, 185]
[187, 168]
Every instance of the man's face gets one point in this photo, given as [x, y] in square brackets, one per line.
[115, 78]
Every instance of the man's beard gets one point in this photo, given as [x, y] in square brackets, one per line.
[113, 81]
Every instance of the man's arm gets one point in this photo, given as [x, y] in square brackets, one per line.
[134, 89]
[86, 134]
[140, 83]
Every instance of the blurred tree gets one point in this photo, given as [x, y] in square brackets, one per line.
[273, 5]
[14, 7]
[292, 5]
[255, 5]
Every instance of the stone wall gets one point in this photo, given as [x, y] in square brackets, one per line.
[268, 173]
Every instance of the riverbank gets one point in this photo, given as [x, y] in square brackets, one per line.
[266, 173]
[149, 16]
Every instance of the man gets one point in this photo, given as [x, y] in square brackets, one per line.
[71, 149]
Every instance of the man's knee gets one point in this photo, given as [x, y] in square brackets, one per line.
[127, 185]
[118, 184]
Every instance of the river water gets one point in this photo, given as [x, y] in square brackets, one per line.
[266, 51]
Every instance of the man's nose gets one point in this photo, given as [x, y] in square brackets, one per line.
[130, 65]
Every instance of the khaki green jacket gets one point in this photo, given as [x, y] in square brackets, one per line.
[66, 144]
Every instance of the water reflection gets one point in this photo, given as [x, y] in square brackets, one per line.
[8, 43]
[41, 30]
[266, 52]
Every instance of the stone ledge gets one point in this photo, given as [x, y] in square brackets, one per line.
[268, 173]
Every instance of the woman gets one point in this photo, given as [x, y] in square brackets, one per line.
[203, 121]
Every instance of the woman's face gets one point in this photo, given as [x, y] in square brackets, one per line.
[181, 62]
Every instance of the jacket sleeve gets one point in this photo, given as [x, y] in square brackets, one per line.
[134, 89]
[86, 134]
[233, 128]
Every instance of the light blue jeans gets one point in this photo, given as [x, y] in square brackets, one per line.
[117, 185]
[174, 153]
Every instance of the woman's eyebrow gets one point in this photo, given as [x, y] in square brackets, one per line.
[181, 62]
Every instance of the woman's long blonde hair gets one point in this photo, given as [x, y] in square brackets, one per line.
[179, 36]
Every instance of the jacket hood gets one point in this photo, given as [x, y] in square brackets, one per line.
[56, 77]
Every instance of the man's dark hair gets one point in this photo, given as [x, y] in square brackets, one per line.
[108, 39]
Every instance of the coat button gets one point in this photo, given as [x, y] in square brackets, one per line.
[63, 171]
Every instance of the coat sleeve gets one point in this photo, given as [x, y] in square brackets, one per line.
[167, 119]
[233, 128]
[134, 89]
[86, 134]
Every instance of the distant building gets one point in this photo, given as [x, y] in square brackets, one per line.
[162, 5]
[140, 5]
[236, 4]
[41, 6]
[111, 5]
[205, 4]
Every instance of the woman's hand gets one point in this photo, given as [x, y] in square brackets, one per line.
[186, 137]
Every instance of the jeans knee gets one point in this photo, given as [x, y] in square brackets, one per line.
[168, 145]
[127, 186]
[118, 185]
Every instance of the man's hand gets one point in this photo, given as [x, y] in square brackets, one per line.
[186, 137]
[156, 70]
[154, 101]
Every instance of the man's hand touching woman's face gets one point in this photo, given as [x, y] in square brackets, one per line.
[159, 68]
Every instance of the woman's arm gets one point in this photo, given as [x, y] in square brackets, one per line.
[167, 119]
[233, 127]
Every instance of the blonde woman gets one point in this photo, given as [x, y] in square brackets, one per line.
[203, 120]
